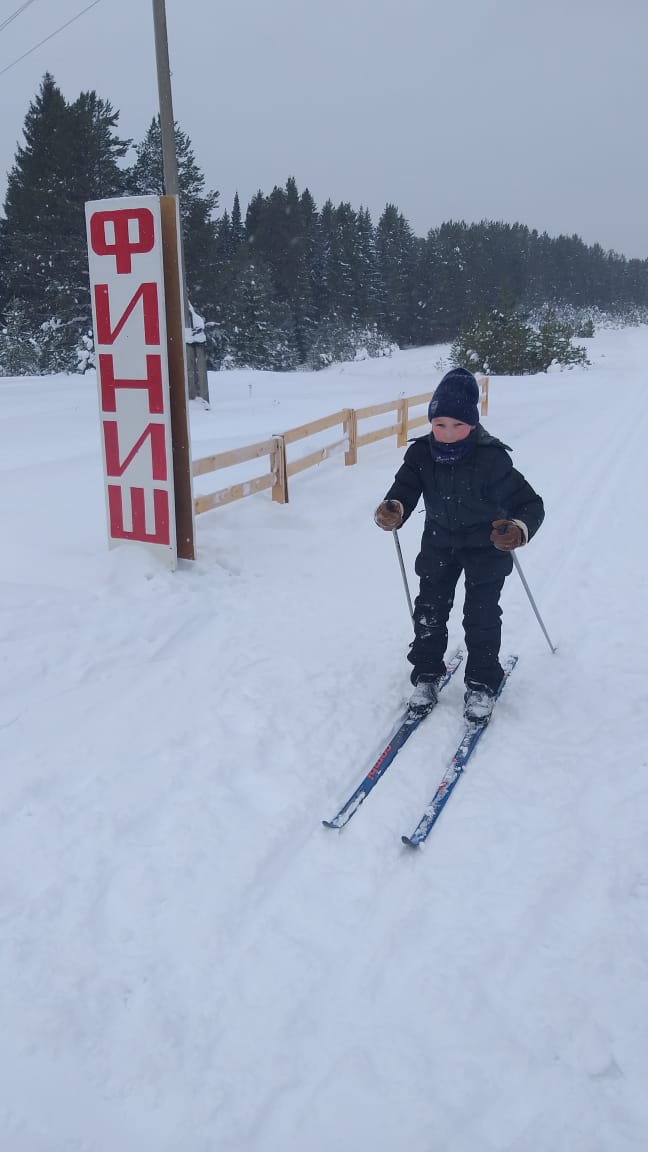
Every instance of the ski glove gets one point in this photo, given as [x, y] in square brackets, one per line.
[389, 515]
[507, 535]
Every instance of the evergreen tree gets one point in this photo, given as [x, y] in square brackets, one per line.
[94, 173]
[498, 342]
[199, 229]
[395, 260]
[364, 270]
[223, 276]
[238, 228]
[337, 296]
[447, 293]
[19, 350]
[320, 264]
[278, 231]
[58, 352]
[504, 343]
[554, 341]
[98, 151]
[260, 331]
[310, 239]
[70, 156]
[37, 205]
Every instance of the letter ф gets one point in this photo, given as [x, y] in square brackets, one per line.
[122, 248]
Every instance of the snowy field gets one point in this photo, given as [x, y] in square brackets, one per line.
[189, 961]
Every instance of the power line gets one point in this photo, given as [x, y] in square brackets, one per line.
[9, 19]
[50, 37]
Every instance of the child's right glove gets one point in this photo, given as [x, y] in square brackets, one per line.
[389, 515]
[507, 535]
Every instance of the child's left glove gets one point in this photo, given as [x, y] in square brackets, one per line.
[507, 535]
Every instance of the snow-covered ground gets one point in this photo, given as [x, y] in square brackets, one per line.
[189, 962]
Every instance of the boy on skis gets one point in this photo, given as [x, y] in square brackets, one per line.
[478, 508]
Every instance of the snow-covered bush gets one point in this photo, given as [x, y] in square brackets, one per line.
[506, 344]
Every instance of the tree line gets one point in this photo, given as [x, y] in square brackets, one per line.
[283, 285]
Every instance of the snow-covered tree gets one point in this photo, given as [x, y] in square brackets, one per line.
[197, 207]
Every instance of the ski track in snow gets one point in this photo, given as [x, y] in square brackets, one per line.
[189, 960]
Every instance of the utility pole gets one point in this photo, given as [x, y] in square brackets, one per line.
[196, 356]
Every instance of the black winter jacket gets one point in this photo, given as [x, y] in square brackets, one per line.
[463, 499]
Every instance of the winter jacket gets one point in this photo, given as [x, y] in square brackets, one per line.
[463, 499]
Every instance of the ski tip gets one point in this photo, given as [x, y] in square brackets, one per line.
[329, 824]
[409, 842]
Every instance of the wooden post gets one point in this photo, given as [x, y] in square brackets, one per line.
[483, 383]
[350, 425]
[403, 413]
[180, 436]
[279, 469]
[196, 363]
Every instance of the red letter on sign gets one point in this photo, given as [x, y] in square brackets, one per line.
[153, 383]
[147, 293]
[161, 535]
[114, 467]
[122, 247]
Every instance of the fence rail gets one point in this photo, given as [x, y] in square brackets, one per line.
[275, 448]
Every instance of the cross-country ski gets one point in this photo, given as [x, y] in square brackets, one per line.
[472, 735]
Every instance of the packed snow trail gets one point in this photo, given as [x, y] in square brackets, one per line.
[189, 961]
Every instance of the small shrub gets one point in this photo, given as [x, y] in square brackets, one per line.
[505, 344]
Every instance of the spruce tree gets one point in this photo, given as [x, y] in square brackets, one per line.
[224, 273]
[70, 155]
[94, 173]
[197, 207]
[238, 228]
[95, 166]
[364, 270]
[260, 330]
[19, 349]
[279, 234]
[339, 233]
[395, 260]
[323, 306]
[446, 301]
[311, 239]
[38, 213]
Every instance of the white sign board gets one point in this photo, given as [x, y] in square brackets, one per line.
[127, 287]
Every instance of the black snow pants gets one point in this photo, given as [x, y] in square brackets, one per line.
[485, 570]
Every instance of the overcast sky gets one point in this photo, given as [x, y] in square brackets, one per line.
[517, 110]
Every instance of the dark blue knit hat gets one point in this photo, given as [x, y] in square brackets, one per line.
[457, 397]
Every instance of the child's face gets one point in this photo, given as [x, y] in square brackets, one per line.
[449, 431]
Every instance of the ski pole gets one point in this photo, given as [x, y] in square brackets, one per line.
[402, 566]
[532, 601]
[403, 573]
[502, 529]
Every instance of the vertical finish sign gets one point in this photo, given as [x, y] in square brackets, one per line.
[127, 286]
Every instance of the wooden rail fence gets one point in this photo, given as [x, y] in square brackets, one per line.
[275, 448]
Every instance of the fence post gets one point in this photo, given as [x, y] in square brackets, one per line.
[350, 426]
[483, 383]
[280, 471]
[403, 413]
